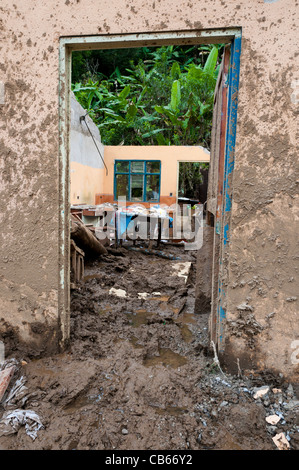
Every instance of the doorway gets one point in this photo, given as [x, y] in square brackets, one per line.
[222, 169]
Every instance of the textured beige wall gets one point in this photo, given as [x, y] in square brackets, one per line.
[262, 265]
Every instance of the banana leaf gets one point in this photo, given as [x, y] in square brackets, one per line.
[175, 96]
[211, 61]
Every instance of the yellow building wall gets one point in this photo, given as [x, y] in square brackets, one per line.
[85, 183]
[170, 156]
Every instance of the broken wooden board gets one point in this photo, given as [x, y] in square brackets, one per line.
[5, 378]
[85, 239]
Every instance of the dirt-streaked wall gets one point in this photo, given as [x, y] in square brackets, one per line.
[262, 265]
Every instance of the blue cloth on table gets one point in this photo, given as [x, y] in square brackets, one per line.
[124, 219]
[123, 222]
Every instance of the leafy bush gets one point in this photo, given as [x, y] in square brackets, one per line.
[163, 98]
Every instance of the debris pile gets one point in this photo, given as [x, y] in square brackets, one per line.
[140, 372]
[13, 395]
[278, 407]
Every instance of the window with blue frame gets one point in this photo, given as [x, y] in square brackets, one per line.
[137, 180]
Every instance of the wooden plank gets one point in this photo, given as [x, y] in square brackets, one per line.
[5, 378]
[216, 185]
[222, 137]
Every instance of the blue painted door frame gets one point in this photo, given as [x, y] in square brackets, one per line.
[233, 78]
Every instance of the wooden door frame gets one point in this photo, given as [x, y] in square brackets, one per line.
[228, 129]
[220, 116]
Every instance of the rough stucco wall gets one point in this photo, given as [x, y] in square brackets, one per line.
[203, 287]
[262, 264]
[29, 184]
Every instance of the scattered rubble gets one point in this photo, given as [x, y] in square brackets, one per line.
[118, 292]
[281, 442]
[11, 422]
[140, 373]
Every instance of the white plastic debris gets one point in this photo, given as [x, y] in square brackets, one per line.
[272, 419]
[281, 441]
[245, 306]
[118, 292]
[12, 420]
[17, 395]
[143, 295]
[9, 363]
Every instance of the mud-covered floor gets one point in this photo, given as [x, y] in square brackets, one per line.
[140, 373]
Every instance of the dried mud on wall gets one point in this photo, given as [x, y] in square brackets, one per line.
[29, 187]
[260, 263]
[262, 277]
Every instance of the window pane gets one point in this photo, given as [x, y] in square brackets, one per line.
[152, 188]
[136, 188]
[122, 167]
[153, 167]
[122, 182]
[137, 167]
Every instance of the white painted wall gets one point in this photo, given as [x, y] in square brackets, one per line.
[86, 165]
[82, 147]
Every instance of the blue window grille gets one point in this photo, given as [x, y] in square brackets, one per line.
[137, 180]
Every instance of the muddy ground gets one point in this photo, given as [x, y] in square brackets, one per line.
[140, 373]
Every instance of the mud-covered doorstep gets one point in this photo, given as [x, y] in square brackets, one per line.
[28, 323]
[140, 373]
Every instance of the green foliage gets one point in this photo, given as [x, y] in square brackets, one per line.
[190, 178]
[162, 96]
[103, 63]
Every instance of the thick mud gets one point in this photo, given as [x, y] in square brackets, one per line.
[140, 373]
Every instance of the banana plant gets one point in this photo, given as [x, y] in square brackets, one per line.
[166, 99]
